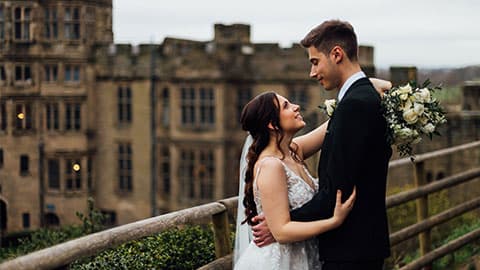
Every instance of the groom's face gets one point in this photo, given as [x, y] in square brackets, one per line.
[322, 69]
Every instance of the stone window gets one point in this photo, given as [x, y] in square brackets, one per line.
[3, 75]
[26, 220]
[53, 173]
[111, 218]
[73, 176]
[299, 95]
[22, 19]
[198, 107]
[243, 97]
[72, 73]
[3, 116]
[125, 168]
[124, 105]
[73, 117]
[23, 74]
[165, 107]
[197, 173]
[52, 116]
[51, 220]
[207, 107]
[2, 24]
[51, 73]
[188, 106]
[72, 23]
[164, 170]
[24, 168]
[51, 23]
[23, 116]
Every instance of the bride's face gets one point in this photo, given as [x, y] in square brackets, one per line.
[290, 118]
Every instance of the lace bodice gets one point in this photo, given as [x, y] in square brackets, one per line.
[299, 192]
[299, 255]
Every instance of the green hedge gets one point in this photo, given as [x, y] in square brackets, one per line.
[187, 248]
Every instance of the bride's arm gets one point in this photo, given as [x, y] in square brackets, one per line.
[311, 142]
[272, 185]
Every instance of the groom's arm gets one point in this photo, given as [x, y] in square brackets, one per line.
[317, 208]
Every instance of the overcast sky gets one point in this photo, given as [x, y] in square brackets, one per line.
[424, 33]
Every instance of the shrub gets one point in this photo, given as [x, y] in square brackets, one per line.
[186, 248]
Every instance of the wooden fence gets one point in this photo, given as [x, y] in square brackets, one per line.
[61, 255]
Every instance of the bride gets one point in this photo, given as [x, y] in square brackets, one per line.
[276, 182]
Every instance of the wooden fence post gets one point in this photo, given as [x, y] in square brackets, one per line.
[422, 210]
[221, 234]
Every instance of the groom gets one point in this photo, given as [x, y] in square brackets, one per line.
[354, 153]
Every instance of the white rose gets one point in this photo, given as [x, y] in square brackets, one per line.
[406, 89]
[428, 128]
[404, 96]
[404, 133]
[418, 108]
[330, 105]
[425, 94]
[410, 116]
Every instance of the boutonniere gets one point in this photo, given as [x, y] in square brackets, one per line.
[329, 106]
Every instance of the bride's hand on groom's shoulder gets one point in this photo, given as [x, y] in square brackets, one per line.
[381, 85]
[261, 233]
[342, 209]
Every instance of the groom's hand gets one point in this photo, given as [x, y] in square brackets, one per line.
[261, 234]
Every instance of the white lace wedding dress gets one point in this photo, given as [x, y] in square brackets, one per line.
[298, 255]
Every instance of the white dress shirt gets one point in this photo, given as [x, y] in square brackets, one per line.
[355, 77]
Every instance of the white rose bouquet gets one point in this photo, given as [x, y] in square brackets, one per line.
[411, 112]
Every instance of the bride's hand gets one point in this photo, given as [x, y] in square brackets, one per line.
[342, 209]
[381, 85]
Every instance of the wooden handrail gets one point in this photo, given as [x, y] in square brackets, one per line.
[405, 196]
[443, 250]
[65, 253]
[433, 154]
[432, 221]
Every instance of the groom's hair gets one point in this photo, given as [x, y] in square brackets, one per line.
[330, 34]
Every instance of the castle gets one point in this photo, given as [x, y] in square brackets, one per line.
[144, 129]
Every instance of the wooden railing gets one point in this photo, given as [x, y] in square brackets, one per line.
[61, 255]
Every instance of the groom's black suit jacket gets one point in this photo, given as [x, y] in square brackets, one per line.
[355, 152]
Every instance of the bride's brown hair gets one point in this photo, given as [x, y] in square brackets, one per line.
[256, 115]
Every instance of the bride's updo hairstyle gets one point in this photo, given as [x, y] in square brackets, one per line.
[264, 109]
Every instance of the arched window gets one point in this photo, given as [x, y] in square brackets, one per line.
[440, 176]
[51, 220]
[3, 215]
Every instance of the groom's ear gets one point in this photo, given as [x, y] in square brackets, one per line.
[337, 54]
